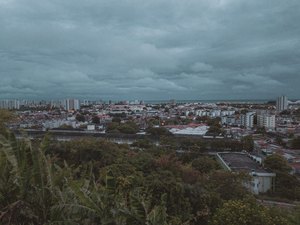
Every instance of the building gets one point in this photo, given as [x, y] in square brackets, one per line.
[247, 119]
[10, 104]
[281, 103]
[267, 121]
[71, 104]
[228, 120]
[262, 180]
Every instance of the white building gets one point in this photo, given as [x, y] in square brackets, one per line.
[71, 104]
[50, 124]
[262, 181]
[215, 113]
[10, 104]
[247, 119]
[267, 121]
[281, 103]
[91, 127]
[227, 113]
[228, 120]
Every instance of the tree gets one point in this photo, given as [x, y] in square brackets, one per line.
[296, 143]
[95, 120]
[5, 116]
[261, 130]
[112, 127]
[228, 185]
[214, 121]
[158, 131]
[27, 182]
[242, 212]
[279, 141]
[116, 120]
[164, 182]
[129, 127]
[248, 143]
[214, 130]
[65, 126]
[204, 164]
[80, 118]
[143, 143]
[286, 185]
[244, 111]
[294, 217]
[277, 163]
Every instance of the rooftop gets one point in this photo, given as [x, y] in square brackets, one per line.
[241, 162]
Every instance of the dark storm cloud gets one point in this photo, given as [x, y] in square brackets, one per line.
[194, 49]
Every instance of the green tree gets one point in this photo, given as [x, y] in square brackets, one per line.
[277, 163]
[129, 127]
[204, 164]
[279, 140]
[228, 185]
[116, 120]
[214, 130]
[296, 143]
[65, 126]
[261, 130]
[112, 127]
[158, 131]
[5, 116]
[28, 182]
[248, 143]
[213, 121]
[95, 120]
[294, 216]
[143, 143]
[164, 182]
[80, 118]
[286, 185]
[238, 212]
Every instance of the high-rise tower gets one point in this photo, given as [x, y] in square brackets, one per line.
[281, 103]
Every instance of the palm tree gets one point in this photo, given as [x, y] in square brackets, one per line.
[27, 188]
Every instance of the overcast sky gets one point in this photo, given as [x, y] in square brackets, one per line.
[149, 49]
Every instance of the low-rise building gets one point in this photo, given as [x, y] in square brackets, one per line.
[262, 180]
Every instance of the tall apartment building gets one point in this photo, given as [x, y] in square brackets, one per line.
[71, 104]
[267, 121]
[281, 103]
[247, 119]
[10, 104]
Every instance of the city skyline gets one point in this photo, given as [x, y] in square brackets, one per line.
[158, 50]
[120, 99]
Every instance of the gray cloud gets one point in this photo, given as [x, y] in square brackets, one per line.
[132, 49]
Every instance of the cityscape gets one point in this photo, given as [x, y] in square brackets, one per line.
[240, 135]
[149, 112]
[273, 126]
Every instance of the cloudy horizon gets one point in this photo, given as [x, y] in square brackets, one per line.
[152, 50]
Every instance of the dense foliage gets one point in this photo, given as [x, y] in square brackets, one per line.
[97, 182]
[287, 185]
[126, 128]
[237, 212]
[296, 143]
